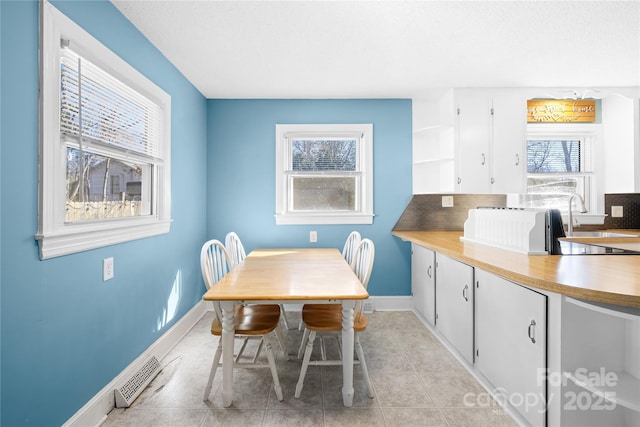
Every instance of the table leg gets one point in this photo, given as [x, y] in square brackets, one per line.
[228, 334]
[347, 352]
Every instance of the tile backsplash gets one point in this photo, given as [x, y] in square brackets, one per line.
[630, 203]
[425, 211]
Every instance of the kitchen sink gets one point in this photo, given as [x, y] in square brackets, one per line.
[575, 248]
[599, 234]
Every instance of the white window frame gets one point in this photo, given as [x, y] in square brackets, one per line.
[55, 237]
[590, 136]
[364, 212]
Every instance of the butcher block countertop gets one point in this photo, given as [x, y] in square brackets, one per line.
[609, 279]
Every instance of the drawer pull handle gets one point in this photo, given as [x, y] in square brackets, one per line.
[532, 331]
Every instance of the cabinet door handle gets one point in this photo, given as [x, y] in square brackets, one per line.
[429, 272]
[532, 331]
[465, 290]
[493, 180]
[459, 180]
[484, 159]
[517, 159]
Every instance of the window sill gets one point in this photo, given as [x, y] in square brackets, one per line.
[312, 219]
[85, 237]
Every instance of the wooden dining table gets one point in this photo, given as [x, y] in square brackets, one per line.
[281, 276]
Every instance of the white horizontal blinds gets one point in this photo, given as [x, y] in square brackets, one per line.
[324, 154]
[113, 114]
[555, 156]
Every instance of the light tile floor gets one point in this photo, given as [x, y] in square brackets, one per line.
[416, 382]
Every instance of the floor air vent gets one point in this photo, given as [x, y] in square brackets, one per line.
[367, 306]
[127, 393]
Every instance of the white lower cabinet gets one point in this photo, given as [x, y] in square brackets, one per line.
[423, 281]
[511, 344]
[554, 360]
[454, 304]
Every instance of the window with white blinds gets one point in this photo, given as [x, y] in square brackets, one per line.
[559, 165]
[105, 144]
[555, 156]
[324, 174]
[96, 108]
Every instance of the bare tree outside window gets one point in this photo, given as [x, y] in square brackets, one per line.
[89, 195]
[323, 155]
[553, 156]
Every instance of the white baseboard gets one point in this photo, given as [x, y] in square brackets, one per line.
[95, 411]
[389, 303]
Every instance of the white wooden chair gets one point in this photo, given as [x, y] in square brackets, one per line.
[350, 245]
[256, 321]
[236, 251]
[327, 319]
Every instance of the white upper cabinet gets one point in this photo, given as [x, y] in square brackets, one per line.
[508, 154]
[470, 141]
[474, 129]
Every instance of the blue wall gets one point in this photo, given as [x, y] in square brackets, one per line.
[65, 333]
[241, 177]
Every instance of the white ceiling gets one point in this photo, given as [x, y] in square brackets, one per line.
[392, 48]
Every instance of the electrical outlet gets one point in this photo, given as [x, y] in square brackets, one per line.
[313, 236]
[107, 269]
[447, 201]
[616, 212]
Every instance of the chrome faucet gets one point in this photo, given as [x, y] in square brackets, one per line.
[583, 209]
